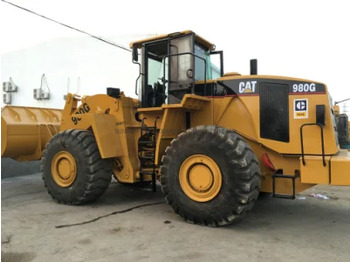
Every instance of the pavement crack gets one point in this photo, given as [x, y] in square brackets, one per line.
[110, 214]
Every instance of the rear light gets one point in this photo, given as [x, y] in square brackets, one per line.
[268, 162]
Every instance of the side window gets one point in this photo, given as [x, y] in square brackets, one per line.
[212, 61]
[216, 69]
[155, 69]
[200, 64]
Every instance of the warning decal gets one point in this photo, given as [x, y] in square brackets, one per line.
[301, 108]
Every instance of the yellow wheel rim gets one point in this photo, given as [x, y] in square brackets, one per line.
[63, 169]
[200, 178]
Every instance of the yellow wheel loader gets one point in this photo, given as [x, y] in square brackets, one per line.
[213, 139]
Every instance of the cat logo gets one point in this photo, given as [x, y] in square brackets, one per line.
[247, 87]
[300, 108]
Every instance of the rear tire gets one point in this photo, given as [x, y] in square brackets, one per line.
[190, 177]
[72, 168]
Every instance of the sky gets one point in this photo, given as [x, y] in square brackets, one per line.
[304, 39]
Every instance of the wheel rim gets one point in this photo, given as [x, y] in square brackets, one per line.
[200, 178]
[63, 169]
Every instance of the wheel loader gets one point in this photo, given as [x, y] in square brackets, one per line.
[214, 140]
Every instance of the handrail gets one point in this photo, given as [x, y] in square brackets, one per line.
[140, 73]
[302, 142]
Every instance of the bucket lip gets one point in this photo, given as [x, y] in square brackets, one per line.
[30, 107]
[29, 114]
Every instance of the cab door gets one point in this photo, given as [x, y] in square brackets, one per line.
[181, 70]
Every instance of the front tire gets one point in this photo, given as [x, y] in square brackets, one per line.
[210, 176]
[72, 168]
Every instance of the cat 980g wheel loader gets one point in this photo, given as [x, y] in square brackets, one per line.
[213, 139]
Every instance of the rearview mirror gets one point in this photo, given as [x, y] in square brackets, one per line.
[135, 54]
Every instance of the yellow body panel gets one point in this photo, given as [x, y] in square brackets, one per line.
[314, 171]
[238, 113]
[103, 127]
[340, 168]
[335, 172]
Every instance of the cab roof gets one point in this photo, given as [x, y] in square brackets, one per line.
[198, 39]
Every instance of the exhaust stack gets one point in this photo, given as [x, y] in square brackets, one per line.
[253, 66]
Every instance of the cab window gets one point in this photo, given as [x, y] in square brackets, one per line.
[212, 63]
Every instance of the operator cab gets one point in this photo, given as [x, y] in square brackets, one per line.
[174, 65]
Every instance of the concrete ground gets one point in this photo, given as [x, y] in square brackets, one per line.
[119, 228]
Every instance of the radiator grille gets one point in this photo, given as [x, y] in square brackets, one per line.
[274, 111]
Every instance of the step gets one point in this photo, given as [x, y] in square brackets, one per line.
[147, 172]
[153, 129]
[147, 149]
[146, 157]
[146, 142]
[279, 174]
[153, 175]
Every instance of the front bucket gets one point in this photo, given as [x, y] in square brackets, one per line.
[26, 130]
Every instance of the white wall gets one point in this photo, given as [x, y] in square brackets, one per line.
[98, 65]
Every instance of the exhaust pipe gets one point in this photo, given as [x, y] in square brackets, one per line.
[253, 66]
